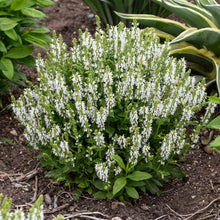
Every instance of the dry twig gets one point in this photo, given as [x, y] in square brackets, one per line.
[86, 215]
[56, 209]
[189, 216]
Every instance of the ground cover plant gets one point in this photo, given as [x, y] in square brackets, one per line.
[19, 28]
[197, 39]
[111, 116]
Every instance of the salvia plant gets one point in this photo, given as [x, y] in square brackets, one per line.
[197, 39]
[35, 213]
[105, 9]
[19, 31]
[111, 115]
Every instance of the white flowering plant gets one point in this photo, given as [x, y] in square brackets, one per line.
[110, 115]
[36, 212]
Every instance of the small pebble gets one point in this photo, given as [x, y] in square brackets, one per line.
[47, 199]
[14, 132]
[91, 16]
[116, 218]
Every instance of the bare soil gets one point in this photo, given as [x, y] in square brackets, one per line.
[23, 179]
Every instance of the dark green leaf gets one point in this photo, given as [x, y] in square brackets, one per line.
[100, 195]
[136, 183]
[28, 61]
[138, 176]
[119, 185]
[98, 184]
[110, 195]
[119, 160]
[41, 30]
[110, 130]
[19, 52]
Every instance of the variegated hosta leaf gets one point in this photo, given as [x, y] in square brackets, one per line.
[206, 37]
[166, 25]
[188, 15]
[215, 11]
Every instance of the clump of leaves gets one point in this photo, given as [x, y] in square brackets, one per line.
[111, 116]
[19, 27]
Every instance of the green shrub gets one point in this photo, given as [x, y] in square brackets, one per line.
[19, 20]
[105, 9]
[111, 116]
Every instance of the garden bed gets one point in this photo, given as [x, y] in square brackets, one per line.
[22, 178]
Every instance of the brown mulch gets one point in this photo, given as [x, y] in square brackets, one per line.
[23, 179]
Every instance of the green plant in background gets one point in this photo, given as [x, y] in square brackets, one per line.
[35, 212]
[19, 20]
[105, 9]
[111, 116]
[198, 40]
[215, 124]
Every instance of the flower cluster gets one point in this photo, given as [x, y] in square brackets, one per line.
[119, 93]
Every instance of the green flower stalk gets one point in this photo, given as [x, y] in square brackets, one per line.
[113, 113]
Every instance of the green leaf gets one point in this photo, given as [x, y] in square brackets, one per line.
[215, 123]
[110, 195]
[2, 47]
[33, 12]
[7, 24]
[119, 160]
[214, 99]
[17, 5]
[215, 143]
[98, 184]
[100, 195]
[19, 52]
[9, 73]
[110, 130]
[6, 140]
[208, 37]
[119, 185]
[132, 192]
[152, 187]
[171, 27]
[41, 30]
[28, 61]
[139, 175]
[12, 34]
[45, 3]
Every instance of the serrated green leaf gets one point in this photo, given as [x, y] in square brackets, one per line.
[19, 52]
[33, 12]
[215, 123]
[12, 34]
[139, 175]
[17, 5]
[7, 24]
[132, 192]
[100, 195]
[119, 185]
[9, 73]
[119, 160]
